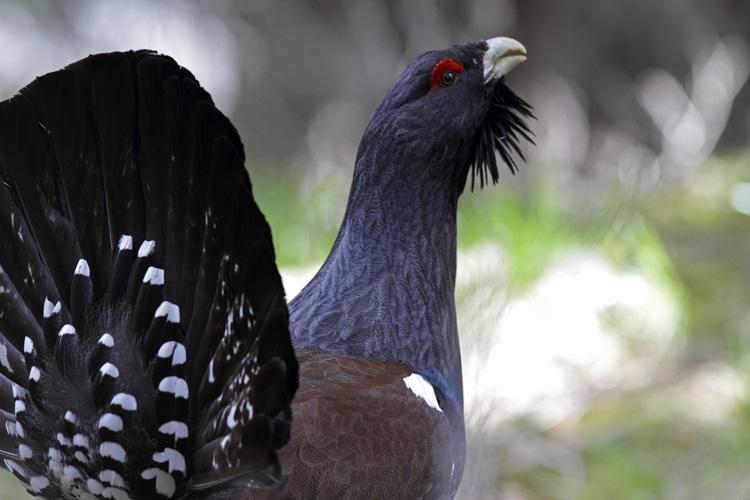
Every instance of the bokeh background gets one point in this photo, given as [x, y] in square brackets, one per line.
[602, 293]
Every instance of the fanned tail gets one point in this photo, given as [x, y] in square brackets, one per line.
[144, 343]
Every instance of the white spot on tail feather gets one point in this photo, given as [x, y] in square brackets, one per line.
[70, 472]
[63, 439]
[423, 389]
[81, 441]
[231, 422]
[171, 311]
[115, 493]
[110, 370]
[24, 451]
[34, 374]
[67, 330]
[82, 268]
[174, 385]
[112, 478]
[28, 347]
[55, 466]
[154, 276]
[110, 421]
[175, 459]
[125, 401]
[38, 483]
[146, 249]
[14, 467]
[107, 340]
[4, 354]
[165, 484]
[175, 350]
[19, 406]
[94, 486]
[81, 457]
[112, 450]
[71, 417]
[175, 428]
[50, 308]
[125, 243]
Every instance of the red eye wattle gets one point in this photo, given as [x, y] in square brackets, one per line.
[446, 72]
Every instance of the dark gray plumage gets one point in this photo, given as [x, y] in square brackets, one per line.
[386, 290]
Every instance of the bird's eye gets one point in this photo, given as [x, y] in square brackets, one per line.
[446, 72]
[448, 78]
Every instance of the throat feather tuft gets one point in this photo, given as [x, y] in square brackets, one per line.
[501, 132]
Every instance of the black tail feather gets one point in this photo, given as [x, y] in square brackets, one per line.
[134, 263]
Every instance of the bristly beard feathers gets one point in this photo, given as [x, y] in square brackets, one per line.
[501, 131]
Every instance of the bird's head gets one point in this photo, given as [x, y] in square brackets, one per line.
[451, 110]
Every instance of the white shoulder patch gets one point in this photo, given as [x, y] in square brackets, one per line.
[423, 389]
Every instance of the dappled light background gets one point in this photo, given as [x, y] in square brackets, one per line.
[602, 292]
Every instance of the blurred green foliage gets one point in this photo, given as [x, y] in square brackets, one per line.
[642, 444]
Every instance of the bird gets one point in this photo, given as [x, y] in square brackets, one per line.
[147, 349]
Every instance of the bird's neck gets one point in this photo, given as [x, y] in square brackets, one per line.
[386, 290]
